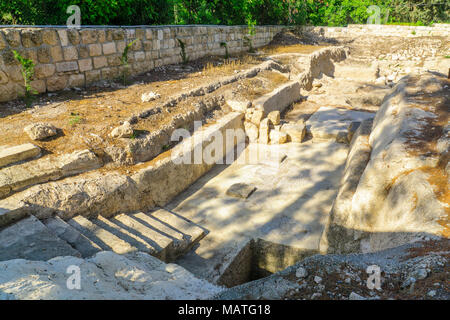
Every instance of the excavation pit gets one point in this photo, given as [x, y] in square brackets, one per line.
[259, 259]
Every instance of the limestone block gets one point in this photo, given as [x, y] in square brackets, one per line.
[85, 64]
[70, 53]
[274, 117]
[50, 37]
[100, 62]
[277, 137]
[56, 53]
[280, 98]
[295, 131]
[67, 66]
[43, 71]
[56, 83]
[109, 48]
[95, 50]
[18, 153]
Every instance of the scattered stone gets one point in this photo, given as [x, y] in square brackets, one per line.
[420, 274]
[316, 295]
[274, 117]
[240, 190]
[277, 137]
[317, 279]
[40, 131]
[123, 131]
[355, 296]
[150, 96]
[348, 280]
[295, 131]
[431, 293]
[301, 272]
[18, 153]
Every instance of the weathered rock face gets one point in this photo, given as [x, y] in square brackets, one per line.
[403, 191]
[106, 275]
[40, 131]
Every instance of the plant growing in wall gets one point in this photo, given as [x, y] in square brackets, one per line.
[27, 70]
[125, 61]
[183, 54]
[251, 31]
[224, 45]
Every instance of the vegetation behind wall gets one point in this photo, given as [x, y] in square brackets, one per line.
[226, 12]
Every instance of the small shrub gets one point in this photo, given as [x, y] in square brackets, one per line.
[183, 54]
[124, 60]
[248, 43]
[74, 119]
[27, 70]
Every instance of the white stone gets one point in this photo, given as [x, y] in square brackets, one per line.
[301, 272]
[150, 96]
[106, 275]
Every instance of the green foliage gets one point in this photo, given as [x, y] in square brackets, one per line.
[27, 70]
[183, 54]
[74, 118]
[248, 43]
[229, 12]
[124, 60]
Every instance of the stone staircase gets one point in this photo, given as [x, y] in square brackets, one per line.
[159, 233]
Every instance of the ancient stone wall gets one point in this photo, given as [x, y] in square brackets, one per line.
[75, 57]
[355, 30]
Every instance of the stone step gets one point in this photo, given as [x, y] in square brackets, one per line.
[30, 239]
[100, 236]
[145, 239]
[21, 152]
[69, 234]
[163, 225]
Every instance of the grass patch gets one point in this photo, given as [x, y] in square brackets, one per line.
[74, 118]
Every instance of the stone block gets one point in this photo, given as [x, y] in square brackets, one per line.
[95, 50]
[100, 62]
[43, 71]
[67, 66]
[56, 53]
[85, 64]
[109, 48]
[44, 55]
[18, 153]
[56, 83]
[77, 80]
[70, 53]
